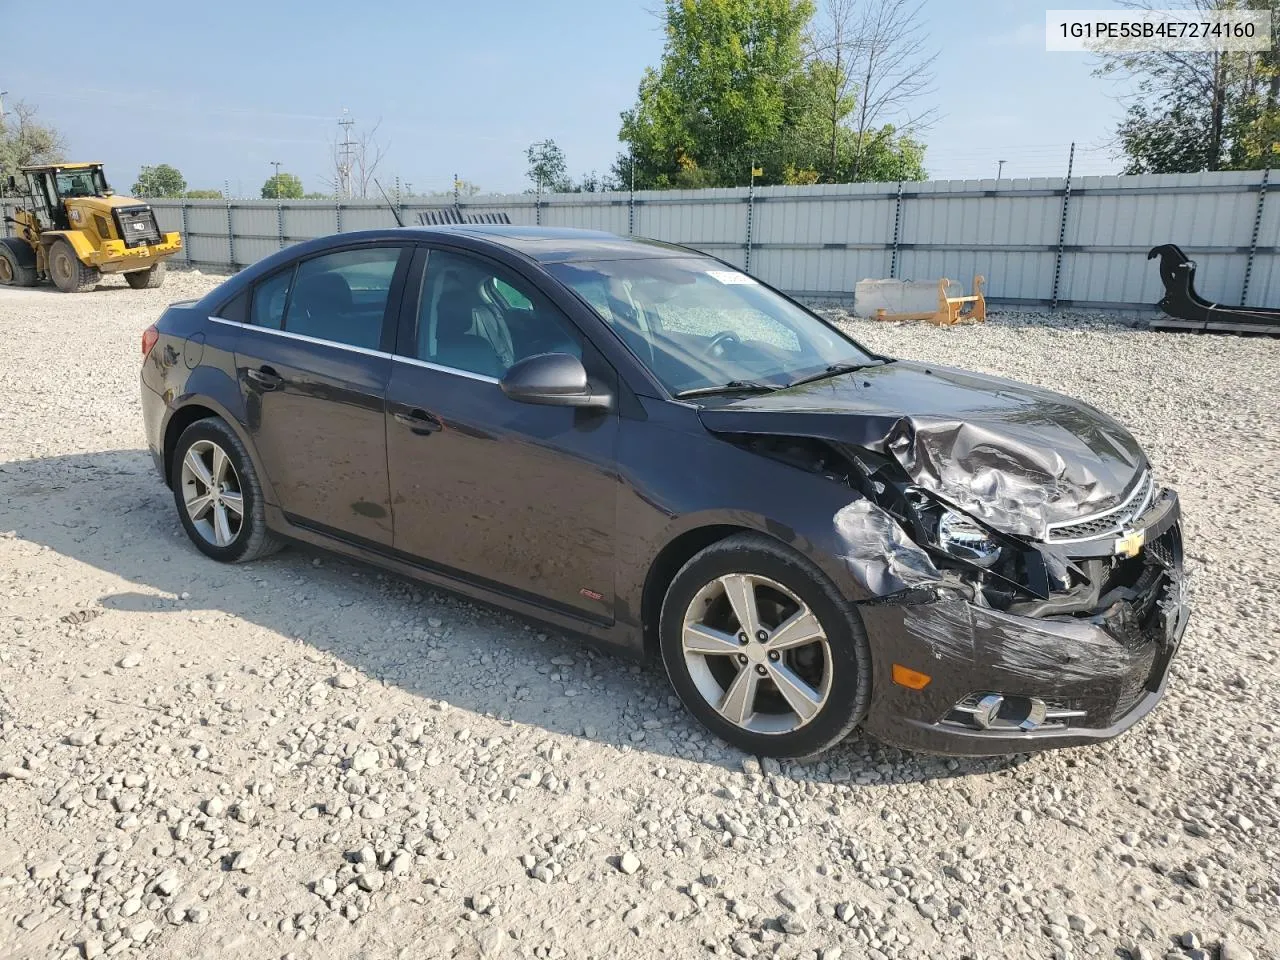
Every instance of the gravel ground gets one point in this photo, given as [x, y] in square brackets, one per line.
[305, 757]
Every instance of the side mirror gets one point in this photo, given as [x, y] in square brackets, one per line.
[554, 379]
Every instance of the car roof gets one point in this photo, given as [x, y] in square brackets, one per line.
[562, 244]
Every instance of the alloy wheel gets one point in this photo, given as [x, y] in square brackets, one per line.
[757, 654]
[211, 493]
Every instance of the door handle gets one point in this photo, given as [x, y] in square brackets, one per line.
[419, 421]
[265, 377]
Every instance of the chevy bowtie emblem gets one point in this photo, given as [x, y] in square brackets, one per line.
[1131, 543]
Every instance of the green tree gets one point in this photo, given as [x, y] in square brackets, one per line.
[203, 194]
[161, 180]
[752, 83]
[547, 167]
[723, 96]
[282, 186]
[316, 195]
[24, 140]
[1191, 111]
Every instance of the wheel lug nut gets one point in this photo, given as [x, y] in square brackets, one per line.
[773, 655]
[762, 636]
[742, 658]
[742, 638]
[760, 669]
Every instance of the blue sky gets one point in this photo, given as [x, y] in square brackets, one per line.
[221, 90]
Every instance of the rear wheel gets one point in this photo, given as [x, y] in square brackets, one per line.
[17, 266]
[217, 493]
[67, 272]
[147, 279]
[764, 650]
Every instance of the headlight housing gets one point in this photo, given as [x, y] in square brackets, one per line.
[961, 537]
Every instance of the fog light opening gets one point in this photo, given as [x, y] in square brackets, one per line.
[997, 710]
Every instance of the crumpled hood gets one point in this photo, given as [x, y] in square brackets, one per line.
[1016, 456]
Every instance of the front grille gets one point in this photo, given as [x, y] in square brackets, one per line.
[1108, 521]
[137, 225]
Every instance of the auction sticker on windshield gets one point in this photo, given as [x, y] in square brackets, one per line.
[730, 276]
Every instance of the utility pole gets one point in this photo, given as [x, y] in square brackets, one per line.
[3, 94]
[345, 148]
[275, 181]
[1000, 168]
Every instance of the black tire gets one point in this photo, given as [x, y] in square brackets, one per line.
[148, 279]
[67, 272]
[251, 539]
[17, 264]
[849, 693]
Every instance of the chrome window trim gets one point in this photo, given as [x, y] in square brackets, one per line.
[304, 338]
[428, 365]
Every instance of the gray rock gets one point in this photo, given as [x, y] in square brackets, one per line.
[45, 870]
[1081, 924]
[1234, 950]
[629, 863]
[792, 924]
[797, 901]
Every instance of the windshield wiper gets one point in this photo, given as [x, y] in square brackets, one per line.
[834, 370]
[733, 386]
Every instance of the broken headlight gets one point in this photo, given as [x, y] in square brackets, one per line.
[961, 537]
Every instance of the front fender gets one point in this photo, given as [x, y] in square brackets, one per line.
[84, 250]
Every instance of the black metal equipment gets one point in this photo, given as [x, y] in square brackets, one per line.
[1188, 311]
[440, 216]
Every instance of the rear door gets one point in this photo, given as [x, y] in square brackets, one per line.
[313, 365]
[517, 497]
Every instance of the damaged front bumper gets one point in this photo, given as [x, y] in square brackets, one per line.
[999, 682]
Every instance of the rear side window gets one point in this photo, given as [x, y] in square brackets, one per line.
[269, 299]
[342, 297]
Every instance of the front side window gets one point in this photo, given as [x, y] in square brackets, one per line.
[81, 183]
[698, 324]
[342, 297]
[477, 317]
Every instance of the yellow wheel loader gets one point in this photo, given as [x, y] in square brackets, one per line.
[73, 229]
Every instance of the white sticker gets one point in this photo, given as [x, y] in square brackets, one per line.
[730, 276]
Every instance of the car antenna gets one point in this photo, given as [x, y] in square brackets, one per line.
[390, 206]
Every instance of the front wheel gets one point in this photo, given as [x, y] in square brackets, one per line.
[217, 493]
[67, 272]
[762, 648]
[148, 279]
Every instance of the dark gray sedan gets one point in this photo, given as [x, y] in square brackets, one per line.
[644, 445]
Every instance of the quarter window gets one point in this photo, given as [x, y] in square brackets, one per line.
[342, 296]
[479, 318]
[270, 297]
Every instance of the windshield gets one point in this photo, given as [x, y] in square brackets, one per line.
[696, 323]
[81, 183]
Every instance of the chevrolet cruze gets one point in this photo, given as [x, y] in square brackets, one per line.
[644, 445]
